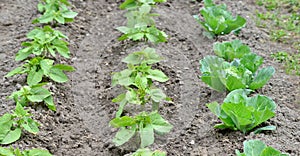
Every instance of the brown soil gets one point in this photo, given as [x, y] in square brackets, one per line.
[84, 107]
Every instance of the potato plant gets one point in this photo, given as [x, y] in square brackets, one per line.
[55, 11]
[12, 124]
[35, 93]
[138, 83]
[216, 20]
[45, 42]
[140, 24]
[37, 68]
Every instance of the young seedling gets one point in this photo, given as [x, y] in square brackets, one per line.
[133, 4]
[37, 68]
[35, 93]
[258, 148]
[218, 21]
[138, 80]
[17, 152]
[239, 112]
[148, 152]
[55, 10]
[140, 24]
[240, 73]
[291, 62]
[231, 50]
[144, 124]
[11, 125]
[45, 41]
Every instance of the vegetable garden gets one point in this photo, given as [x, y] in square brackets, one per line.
[150, 78]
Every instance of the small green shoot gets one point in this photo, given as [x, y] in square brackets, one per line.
[258, 148]
[140, 22]
[55, 10]
[144, 124]
[239, 112]
[35, 93]
[37, 68]
[17, 152]
[45, 41]
[291, 62]
[11, 125]
[218, 21]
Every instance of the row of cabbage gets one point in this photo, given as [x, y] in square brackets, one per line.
[237, 71]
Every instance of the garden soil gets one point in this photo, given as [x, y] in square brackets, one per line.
[80, 126]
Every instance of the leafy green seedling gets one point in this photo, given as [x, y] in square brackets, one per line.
[291, 62]
[145, 124]
[241, 73]
[239, 112]
[37, 68]
[143, 32]
[17, 152]
[138, 80]
[231, 50]
[140, 24]
[11, 125]
[55, 10]
[218, 21]
[258, 148]
[45, 41]
[133, 4]
[35, 93]
[148, 152]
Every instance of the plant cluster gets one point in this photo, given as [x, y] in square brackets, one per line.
[140, 22]
[55, 11]
[258, 148]
[139, 80]
[291, 62]
[242, 72]
[216, 20]
[282, 18]
[235, 69]
[38, 55]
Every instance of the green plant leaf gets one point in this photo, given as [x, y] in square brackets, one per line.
[34, 77]
[31, 126]
[17, 70]
[157, 75]
[262, 77]
[157, 95]
[37, 152]
[122, 122]
[49, 102]
[160, 125]
[124, 135]
[11, 136]
[38, 94]
[266, 128]
[146, 134]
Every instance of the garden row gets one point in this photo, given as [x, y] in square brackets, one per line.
[234, 70]
[40, 66]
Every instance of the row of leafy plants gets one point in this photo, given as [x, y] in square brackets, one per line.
[235, 69]
[39, 57]
[139, 80]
